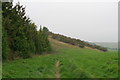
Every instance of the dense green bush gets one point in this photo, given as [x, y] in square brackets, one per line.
[5, 46]
[20, 36]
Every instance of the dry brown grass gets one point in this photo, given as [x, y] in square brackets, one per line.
[59, 44]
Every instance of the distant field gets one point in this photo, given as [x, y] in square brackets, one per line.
[108, 44]
[73, 62]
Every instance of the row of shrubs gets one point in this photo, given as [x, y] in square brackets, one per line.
[76, 42]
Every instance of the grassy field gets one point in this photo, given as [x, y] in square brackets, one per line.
[66, 61]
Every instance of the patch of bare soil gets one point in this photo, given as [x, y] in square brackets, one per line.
[57, 70]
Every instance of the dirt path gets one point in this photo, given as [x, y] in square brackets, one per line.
[57, 70]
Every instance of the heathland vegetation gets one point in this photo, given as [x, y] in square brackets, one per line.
[25, 51]
[76, 42]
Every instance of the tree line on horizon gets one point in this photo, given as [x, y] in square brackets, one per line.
[20, 37]
[76, 42]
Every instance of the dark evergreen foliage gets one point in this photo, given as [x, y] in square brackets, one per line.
[20, 36]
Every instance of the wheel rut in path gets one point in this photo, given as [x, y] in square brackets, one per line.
[57, 65]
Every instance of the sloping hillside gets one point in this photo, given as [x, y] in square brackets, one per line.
[68, 61]
[76, 42]
[58, 44]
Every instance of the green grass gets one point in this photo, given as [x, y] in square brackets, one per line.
[74, 63]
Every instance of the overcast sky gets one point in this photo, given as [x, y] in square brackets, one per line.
[95, 21]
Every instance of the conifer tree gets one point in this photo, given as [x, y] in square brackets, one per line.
[20, 36]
